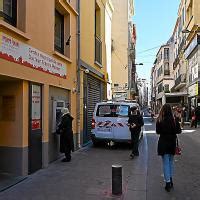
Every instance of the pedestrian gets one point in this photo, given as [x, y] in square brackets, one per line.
[193, 117]
[197, 115]
[183, 116]
[135, 122]
[66, 134]
[167, 126]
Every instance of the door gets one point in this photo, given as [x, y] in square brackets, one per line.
[35, 128]
[121, 128]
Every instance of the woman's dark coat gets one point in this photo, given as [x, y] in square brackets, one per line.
[167, 129]
[66, 134]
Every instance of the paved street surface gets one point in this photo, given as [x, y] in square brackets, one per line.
[88, 176]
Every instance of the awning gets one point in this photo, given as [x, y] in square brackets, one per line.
[176, 94]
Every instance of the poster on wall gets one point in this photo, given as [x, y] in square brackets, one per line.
[23, 54]
[36, 107]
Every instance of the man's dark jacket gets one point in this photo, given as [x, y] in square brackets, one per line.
[138, 121]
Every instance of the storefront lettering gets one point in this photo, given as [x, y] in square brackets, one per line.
[15, 51]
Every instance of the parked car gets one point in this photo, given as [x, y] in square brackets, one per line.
[110, 122]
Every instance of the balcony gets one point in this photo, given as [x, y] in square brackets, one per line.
[176, 61]
[98, 50]
[180, 82]
[181, 46]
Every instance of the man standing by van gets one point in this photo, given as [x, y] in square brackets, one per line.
[135, 122]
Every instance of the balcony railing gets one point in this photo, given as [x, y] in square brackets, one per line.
[98, 50]
[180, 80]
[181, 46]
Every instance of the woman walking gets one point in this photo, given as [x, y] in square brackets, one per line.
[167, 127]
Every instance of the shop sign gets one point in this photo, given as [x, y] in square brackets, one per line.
[18, 52]
[193, 90]
[36, 107]
[192, 46]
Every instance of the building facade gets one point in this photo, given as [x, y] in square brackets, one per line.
[143, 92]
[185, 57]
[92, 62]
[192, 51]
[37, 78]
[162, 77]
[108, 42]
[121, 48]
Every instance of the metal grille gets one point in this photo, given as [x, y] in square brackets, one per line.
[94, 93]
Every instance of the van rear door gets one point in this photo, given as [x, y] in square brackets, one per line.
[120, 126]
[104, 121]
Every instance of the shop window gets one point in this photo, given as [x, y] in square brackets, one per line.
[7, 108]
[59, 32]
[8, 11]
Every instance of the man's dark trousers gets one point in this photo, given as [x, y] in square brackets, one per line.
[135, 142]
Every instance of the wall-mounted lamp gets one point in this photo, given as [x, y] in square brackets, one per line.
[68, 40]
[87, 71]
[74, 90]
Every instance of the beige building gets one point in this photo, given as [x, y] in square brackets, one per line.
[122, 17]
[192, 50]
[92, 62]
[162, 77]
[38, 53]
[185, 56]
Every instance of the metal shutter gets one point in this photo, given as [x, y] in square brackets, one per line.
[94, 94]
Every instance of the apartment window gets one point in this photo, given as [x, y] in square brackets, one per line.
[116, 84]
[166, 87]
[166, 69]
[59, 32]
[160, 88]
[8, 11]
[166, 53]
[98, 43]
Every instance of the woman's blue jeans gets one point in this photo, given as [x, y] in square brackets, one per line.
[168, 166]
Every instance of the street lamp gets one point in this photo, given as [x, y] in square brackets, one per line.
[138, 64]
[188, 31]
[132, 81]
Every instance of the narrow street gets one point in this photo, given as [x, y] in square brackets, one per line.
[88, 176]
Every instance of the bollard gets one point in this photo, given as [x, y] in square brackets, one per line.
[116, 179]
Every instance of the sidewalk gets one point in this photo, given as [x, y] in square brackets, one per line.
[87, 177]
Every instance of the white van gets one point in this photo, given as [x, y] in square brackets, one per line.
[110, 122]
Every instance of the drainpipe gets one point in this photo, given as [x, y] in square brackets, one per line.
[78, 74]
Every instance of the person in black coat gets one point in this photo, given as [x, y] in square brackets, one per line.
[135, 122]
[197, 115]
[66, 135]
[167, 126]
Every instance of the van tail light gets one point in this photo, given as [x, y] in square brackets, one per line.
[93, 123]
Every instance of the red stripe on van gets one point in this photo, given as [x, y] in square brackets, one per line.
[120, 124]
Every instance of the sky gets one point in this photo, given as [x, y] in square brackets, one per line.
[155, 21]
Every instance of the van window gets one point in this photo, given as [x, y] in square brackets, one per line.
[112, 110]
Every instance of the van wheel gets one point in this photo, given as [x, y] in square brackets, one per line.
[95, 142]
